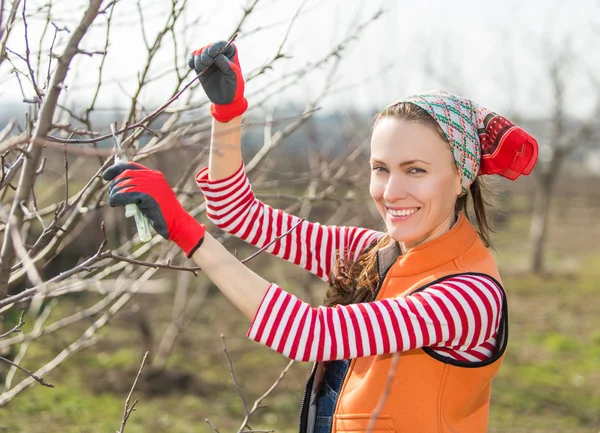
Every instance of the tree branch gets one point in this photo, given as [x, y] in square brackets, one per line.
[17, 327]
[38, 379]
[129, 409]
[42, 128]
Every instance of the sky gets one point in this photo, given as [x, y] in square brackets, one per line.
[496, 53]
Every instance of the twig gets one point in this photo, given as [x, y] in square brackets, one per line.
[146, 119]
[212, 425]
[17, 327]
[9, 126]
[237, 385]
[247, 259]
[127, 410]
[6, 29]
[258, 431]
[18, 359]
[27, 53]
[192, 269]
[265, 395]
[12, 170]
[184, 311]
[86, 339]
[48, 72]
[28, 293]
[36, 211]
[66, 178]
[22, 253]
[153, 265]
[24, 370]
[386, 392]
[57, 144]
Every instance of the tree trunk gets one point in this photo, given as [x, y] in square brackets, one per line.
[538, 228]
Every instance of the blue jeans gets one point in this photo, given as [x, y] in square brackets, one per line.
[335, 372]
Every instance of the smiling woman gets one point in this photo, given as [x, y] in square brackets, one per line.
[427, 290]
[413, 173]
[414, 180]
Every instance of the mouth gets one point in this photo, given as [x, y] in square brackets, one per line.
[401, 214]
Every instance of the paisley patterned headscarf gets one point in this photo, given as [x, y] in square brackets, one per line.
[482, 141]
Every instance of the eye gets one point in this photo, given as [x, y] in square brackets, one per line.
[379, 169]
[416, 170]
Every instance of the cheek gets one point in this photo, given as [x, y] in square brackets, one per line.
[376, 188]
[442, 194]
[436, 192]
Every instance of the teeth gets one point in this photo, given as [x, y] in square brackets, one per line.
[403, 212]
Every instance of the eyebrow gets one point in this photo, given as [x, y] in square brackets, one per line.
[402, 164]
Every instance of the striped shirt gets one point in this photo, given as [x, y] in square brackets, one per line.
[458, 317]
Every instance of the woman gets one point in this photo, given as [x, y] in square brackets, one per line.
[426, 290]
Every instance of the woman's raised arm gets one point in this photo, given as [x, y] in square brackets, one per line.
[225, 156]
[230, 202]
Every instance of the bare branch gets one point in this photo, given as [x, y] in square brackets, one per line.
[129, 409]
[211, 425]
[265, 395]
[246, 260]
[9, 173]
[184, 311]
[37, 90]
[38, 379]
[237, 385]
[386, 392]
[28, 293]
[25, 346]
[86, 339]
[153, 265]
[146, 119]
[17, 327]
[247, 11]
[5, 28]
[41, 130]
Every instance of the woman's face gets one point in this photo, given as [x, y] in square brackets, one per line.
[414, 181]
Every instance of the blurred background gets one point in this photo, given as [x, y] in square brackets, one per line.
[317, 72]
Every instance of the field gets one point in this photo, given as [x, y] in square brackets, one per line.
[548, 384]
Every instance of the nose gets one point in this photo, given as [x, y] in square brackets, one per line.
[395, 189]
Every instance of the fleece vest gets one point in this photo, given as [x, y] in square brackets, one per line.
[427, 392]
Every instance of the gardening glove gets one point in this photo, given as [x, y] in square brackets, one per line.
[132, 183]
[221, 79]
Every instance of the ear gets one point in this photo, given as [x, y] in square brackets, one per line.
[458, 185]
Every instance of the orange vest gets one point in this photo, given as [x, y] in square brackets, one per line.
[428, 393]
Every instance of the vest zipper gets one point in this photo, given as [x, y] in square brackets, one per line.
[303, 408]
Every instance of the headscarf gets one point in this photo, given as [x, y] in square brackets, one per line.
[482, 141]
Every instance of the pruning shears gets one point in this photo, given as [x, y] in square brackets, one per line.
[142, 223]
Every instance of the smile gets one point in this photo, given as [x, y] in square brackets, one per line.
[402, 212]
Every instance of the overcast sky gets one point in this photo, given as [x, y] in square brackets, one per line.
[496, 53]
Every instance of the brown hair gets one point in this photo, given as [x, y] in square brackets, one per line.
[353, 282]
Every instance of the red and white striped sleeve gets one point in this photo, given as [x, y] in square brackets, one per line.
[233, 207]
[457, 317]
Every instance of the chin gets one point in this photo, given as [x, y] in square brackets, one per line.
[402, 236]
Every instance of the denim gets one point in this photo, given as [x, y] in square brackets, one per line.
[335, 372]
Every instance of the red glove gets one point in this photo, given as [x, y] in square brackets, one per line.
[221, 79]
[132, 183]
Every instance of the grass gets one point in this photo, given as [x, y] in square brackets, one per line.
[548, 383]
[550, 377]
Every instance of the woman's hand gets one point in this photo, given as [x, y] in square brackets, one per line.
[221, 79]
[132, 183]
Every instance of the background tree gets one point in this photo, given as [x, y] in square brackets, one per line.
[565, 136]
[65, 145]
